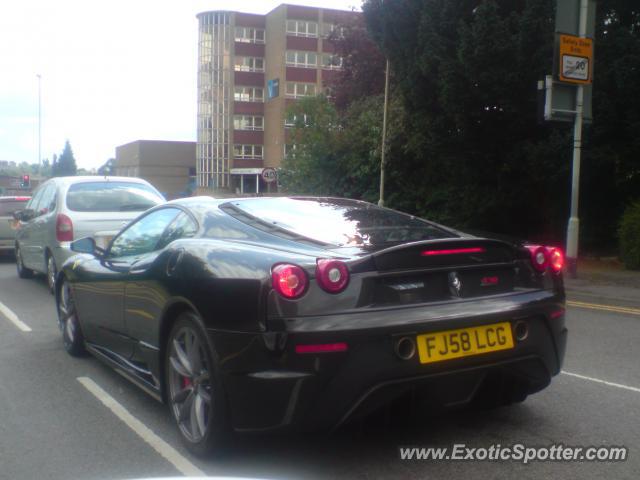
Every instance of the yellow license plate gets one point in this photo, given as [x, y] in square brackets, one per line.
[464, 342]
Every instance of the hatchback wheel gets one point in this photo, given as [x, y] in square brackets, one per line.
[52, 271]
[23, 272]
[68, 321]
[194, 392]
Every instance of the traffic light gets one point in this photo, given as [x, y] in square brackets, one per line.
[26, 181]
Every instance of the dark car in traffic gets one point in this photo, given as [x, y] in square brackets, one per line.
[8, 206]
[261, 314]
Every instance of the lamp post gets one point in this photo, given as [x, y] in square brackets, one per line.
[384, 135]
[39, 121]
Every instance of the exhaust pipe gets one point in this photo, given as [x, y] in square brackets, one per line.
[521, 330]
[405, 348]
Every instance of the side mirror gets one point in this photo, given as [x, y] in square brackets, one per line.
[84, 245]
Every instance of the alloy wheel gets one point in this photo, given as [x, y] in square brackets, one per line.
[68, 322]
[51, 273]
[190, 385]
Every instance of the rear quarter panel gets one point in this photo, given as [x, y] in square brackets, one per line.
[229, 282]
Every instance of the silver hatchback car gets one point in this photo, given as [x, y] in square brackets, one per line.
[66, 208]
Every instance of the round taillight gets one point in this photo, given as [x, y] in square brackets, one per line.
[290, 281]
[556, 259]
[332, 275]
[539, 257]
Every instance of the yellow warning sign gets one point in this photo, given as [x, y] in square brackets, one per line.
[576, 59]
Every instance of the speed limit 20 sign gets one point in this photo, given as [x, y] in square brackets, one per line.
[576, 59]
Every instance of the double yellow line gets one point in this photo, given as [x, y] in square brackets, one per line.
[606, 308]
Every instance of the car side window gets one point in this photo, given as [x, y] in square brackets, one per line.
[46, 201]
[182, 227]
[33, 203]
[143, 236]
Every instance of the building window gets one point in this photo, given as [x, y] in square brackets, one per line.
[300, 28]
[298, 90]
[291, 120]
[248, 94]
[249, 64]
[328, 28]
[247, 151]
[331, 62]
[289, 150]
[248, 122]
[249, 35]
[302, 59]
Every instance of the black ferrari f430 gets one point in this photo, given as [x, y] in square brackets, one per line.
[262, 314]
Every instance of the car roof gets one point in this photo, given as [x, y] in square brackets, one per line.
[94, 178]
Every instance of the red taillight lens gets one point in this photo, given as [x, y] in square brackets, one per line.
[64, 228]
[539, 257]
[332, 275]
[453, 251]
[322, 348]
[290, 281]
[556, 259]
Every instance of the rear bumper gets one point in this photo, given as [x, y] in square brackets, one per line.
[62, 252]
[270, 386]
[7, 245]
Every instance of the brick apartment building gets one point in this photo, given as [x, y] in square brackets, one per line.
[250, 68]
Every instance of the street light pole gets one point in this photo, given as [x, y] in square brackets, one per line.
[39, 121]
[384, 135]
[573, 228]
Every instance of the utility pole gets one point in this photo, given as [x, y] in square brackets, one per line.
[573, 228]
[384, 135]
[39, 120]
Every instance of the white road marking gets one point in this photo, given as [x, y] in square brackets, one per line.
[604, 382]
[183, 465]
[13, 318]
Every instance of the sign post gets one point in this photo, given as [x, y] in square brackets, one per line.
[575, 73]
[568, 94]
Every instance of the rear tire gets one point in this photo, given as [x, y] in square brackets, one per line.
[194, 391]
[23, 272]
[72, 336]
[52, 272]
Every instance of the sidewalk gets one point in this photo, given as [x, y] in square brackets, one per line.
[604, 281]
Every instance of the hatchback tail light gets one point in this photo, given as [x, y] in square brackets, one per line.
[290, 281]
[64, 228]
[332, 275]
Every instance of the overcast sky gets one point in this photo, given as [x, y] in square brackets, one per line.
[112, 72]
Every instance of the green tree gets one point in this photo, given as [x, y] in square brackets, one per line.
[337, 152]
[65, 165]
[466, 70]
[108, 168]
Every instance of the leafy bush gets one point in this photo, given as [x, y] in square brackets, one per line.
[629, 235]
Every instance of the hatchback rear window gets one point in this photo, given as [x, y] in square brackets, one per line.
[7, 207]
[111, 197]
[331, 221]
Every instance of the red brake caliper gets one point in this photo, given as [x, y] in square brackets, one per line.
[186, 382]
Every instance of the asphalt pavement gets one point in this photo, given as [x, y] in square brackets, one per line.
[68, 418]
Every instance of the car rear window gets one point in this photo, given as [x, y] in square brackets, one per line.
[336, 222]
[111, 197]
[7, 207]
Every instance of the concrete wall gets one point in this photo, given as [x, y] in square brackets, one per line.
[164, 164]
